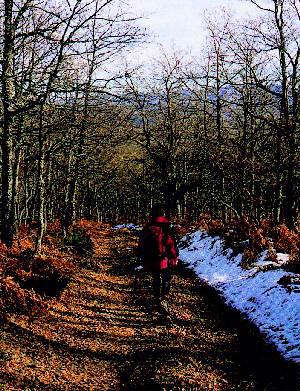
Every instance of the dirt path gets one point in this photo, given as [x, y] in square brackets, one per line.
[102, 336]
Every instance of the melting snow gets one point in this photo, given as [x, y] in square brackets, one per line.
[256, 293]
[128, 226]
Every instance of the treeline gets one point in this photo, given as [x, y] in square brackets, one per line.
[56, 111]
[219, 134]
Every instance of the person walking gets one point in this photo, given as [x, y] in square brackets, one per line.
[159, 252]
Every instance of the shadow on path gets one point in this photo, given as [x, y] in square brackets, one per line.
[103, 334]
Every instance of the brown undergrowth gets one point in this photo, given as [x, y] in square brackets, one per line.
[102, 334]
[27, 280]
[251, 238]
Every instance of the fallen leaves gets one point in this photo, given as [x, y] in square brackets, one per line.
[100, 334]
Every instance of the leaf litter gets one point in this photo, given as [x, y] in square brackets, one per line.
[100, 334]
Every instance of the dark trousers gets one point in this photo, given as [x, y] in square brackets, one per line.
[161, 283]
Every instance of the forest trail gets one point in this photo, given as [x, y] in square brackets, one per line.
[101, 336]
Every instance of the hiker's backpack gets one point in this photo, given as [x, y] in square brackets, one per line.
[158, 247]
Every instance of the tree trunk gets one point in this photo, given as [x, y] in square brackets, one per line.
[41, 187]
[15, 186]
[7, 204]
[68, 213]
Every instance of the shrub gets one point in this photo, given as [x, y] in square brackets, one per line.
[54, 228]
[267, 226]
[286, 240]
[216, 227]
[80, 241]
[15, 299]
[49, 276]
[249, 256]
[251, 238]
[26, 281]
[45, 275]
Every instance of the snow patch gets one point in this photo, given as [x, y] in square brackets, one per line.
[138, 268]
[255, 292]
[129, 226]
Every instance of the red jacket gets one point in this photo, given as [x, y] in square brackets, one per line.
[158, 245]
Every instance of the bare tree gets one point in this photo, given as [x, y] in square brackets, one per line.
[280, 37]
[39, 39]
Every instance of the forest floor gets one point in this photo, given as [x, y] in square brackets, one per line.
[102, 335]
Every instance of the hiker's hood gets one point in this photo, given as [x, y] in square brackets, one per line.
[161, 220]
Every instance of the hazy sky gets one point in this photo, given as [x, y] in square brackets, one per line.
[179, 23]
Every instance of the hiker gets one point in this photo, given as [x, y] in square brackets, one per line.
[159, 253]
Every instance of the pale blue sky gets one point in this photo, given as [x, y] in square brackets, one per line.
[179, 23]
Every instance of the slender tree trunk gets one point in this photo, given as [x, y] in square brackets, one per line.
[292, 186]
[285, 128]
[26, 195]
[41, 186]
[7, 204]
[49, 205]
[15, 186]
[68, 213]
[290, 204]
